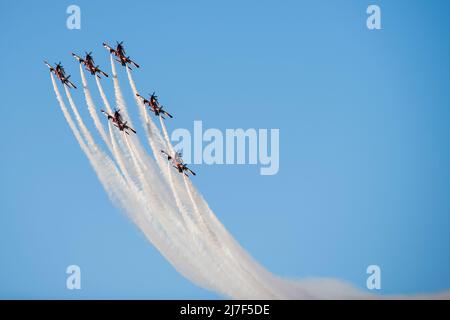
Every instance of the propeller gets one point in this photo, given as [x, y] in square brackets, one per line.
[154, 95]
[120, 44]
[88, 55]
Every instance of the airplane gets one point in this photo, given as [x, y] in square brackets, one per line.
[59, 71]
[117, 120]
[119, 52]
[154, 106]
[88, 62]
[177, 163]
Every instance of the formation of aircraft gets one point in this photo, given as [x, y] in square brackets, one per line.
[116, 118]
[119, 52]
[89, 64]
[177, 163]
[58, 70]
[154, 105]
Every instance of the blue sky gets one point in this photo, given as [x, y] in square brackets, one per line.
[364, 141]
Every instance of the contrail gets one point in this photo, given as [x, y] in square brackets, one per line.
[112, 182]
[118, 93]
[185, 231]
[137, 206]
[201, 215]
[69, 118]
[102, 94]
[254, 287]
[131, 187]
[120, 102]
[197, 212]
[180, 258]
[107, 105]
[178, 201]
[87, 135]
[200, 220]
[92, 109]
[118, 156]
[153, 135]
[157, 143]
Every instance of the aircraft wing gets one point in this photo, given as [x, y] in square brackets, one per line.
[80, 60]
[68, 83]
[103, 73]
[166, 113]
[106, 114]
[134, 63]
[49, 66]
[145, 101]
[190, 171]
[130, 128]
[71, 83]
[111, 50]
[166, 155]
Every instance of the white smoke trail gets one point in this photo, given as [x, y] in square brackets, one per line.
[109, 176]
[153, 135]
[198, 214]
[69, 118]
[150, 188]
[102, 94]
[107, 105]
[184, 200]
[157, 144]
[184, 203]
[206, 227]
[119, 158]
[162, 213]
[118, 93]
[204, 276]
[130, 186]
[120, 102]
[144, 194]
[179, 202]
[92, 109]
[138, 209]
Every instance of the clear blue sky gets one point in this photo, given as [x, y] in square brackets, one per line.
[364, 126]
